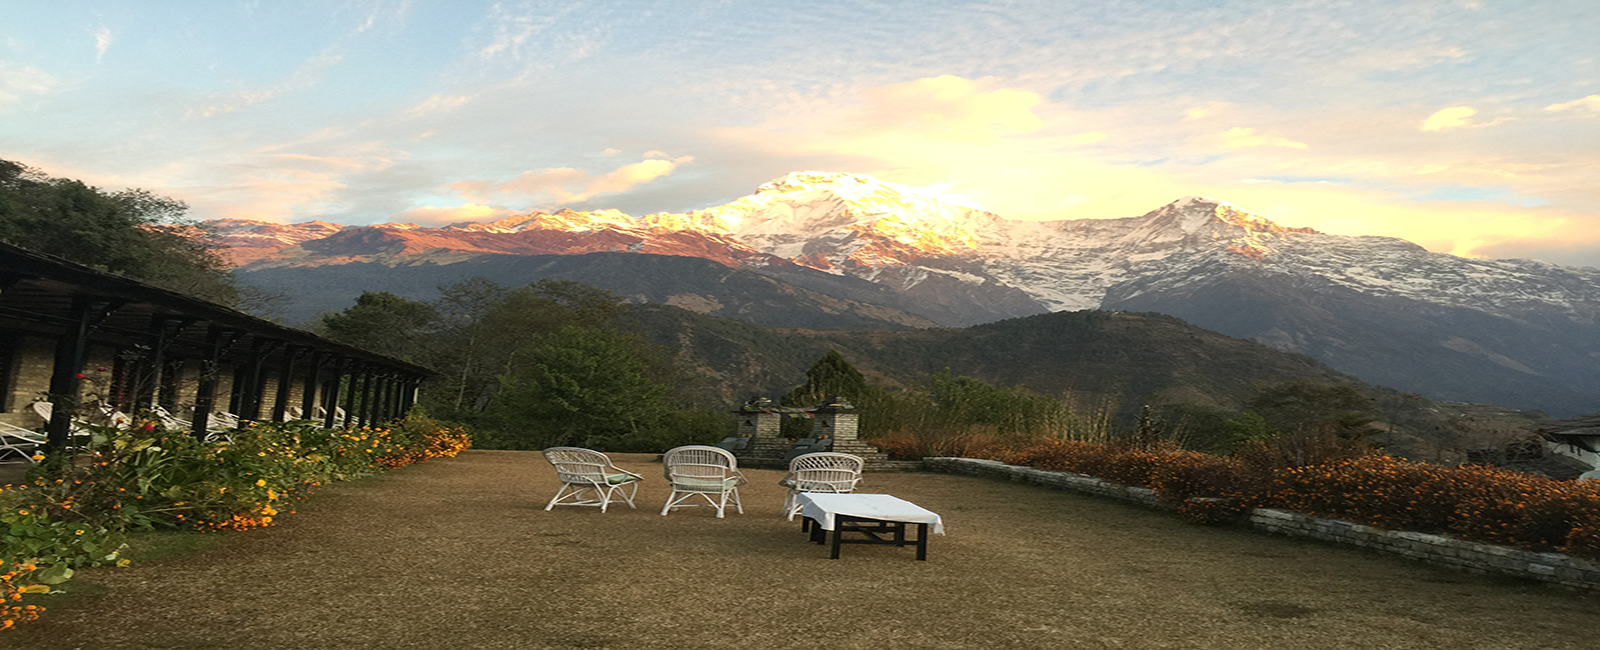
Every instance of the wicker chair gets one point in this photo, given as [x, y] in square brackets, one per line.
[589, 479]
[824, 471]
[708, 472]
[19, 444]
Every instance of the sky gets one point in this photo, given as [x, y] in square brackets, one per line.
[1470, 127]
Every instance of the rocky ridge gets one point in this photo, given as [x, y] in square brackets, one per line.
[1202, 259]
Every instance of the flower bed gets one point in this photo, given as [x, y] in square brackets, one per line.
[75, 512]
[1476, 503]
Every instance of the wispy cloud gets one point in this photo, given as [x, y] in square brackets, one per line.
[1449, 118]
[565, 185]
[1241, 137]
[102, 41]
[1589, 104]
[20, 81]
[305, 76]
[469, 212]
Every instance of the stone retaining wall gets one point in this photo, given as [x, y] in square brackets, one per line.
[1434, 549]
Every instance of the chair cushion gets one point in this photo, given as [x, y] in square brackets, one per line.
[694, 484]
[618, 479]
[807, 486]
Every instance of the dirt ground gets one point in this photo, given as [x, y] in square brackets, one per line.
[459, 553]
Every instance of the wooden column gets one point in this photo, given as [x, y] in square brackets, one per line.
[280, 401]
[351, 390]
[218, 340]
[330, 395]
[66, 377]
[312, 382]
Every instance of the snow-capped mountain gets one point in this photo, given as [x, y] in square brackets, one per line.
[1516, 332]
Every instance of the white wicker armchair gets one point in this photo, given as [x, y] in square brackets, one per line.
[589, 479]
[19, 444]
[708, 472]
[823, 471]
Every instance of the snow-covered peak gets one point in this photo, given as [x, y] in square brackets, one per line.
[849, 216]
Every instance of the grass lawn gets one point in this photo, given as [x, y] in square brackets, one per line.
[458, 553]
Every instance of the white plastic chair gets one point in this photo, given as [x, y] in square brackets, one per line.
[708, 472]
[823, 471]
[589, 479]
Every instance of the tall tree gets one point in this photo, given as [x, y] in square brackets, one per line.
[131, 232]
[581, 386]
[385, 323]
[830, 375]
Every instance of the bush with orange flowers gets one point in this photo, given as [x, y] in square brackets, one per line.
[75, 511]
[1484, 504]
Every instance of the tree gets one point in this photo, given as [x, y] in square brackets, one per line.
[830, 375]
[580, 386]
[486, 326]
[1313, 422]
[1306, 405]
[384, 323]
[966, 401]
[131, 232]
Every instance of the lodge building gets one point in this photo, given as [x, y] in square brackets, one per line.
[92, 343]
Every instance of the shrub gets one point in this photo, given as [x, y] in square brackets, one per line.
[74, 512]
[1479, 503]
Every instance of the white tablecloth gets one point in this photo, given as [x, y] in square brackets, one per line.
[823, 507]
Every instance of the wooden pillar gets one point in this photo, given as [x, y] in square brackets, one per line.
[312, 382]
[351, 391]
[147, 380]
[330, 395]
[408, 395]
[368, 381]
[66, 378]
[388, 398]
[280, 401]
[218, 340]
[255, 383]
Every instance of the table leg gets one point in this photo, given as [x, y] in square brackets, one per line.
[922, 542]
[838, 532]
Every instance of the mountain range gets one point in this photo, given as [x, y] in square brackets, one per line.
[847, 251]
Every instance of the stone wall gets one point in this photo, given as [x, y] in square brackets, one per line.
[1435, 549]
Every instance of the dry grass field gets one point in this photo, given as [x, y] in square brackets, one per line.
[459, 553]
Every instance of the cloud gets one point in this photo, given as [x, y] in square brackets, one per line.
[1449, 118]
[1205, 110]
[431, 216]
[437, 104]
[17, 82]
[1241, 137]
[564, 185]
[102, 42]
[307, 75]
[951, 107]
[1590, 104]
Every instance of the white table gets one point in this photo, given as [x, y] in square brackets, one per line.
[873, 515]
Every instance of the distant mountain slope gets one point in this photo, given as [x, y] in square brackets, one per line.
[691, 283]
[1515, 332]
[1123, 359]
